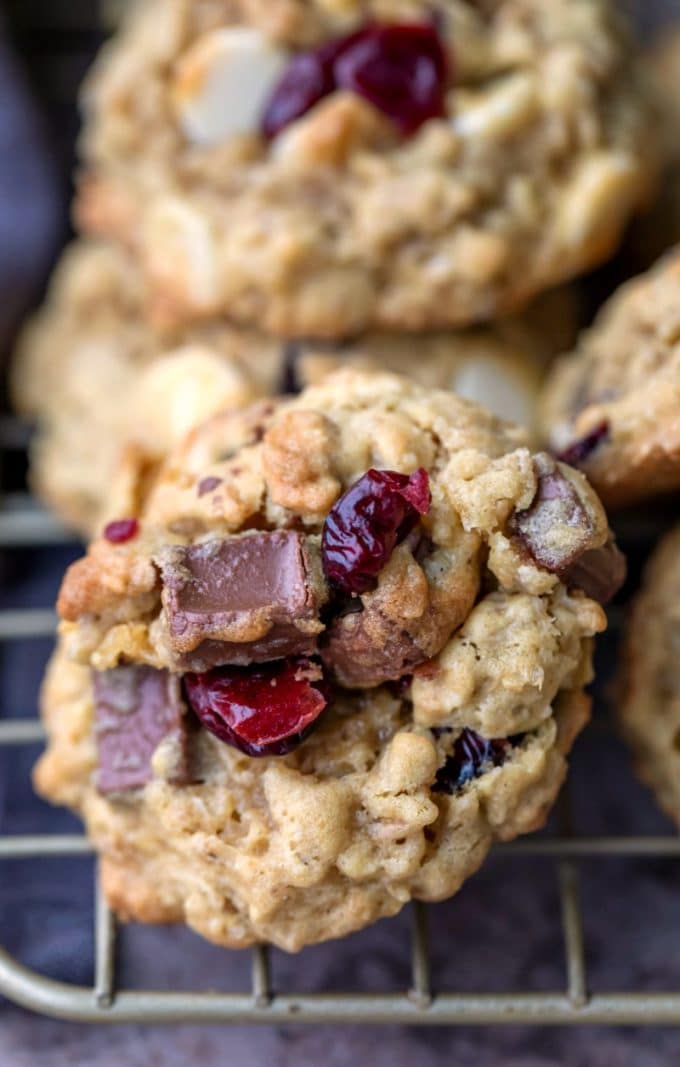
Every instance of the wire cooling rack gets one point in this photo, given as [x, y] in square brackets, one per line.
[23, 525]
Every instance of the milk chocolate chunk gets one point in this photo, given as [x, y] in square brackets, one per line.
[600, 573]
[364, 649]
[559, 533]
[241, 600]
[137, 708]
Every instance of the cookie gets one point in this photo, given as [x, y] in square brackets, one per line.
[649, 701]
[500, 366]
[104, 386]
[341, 651]
[111, 394]
[321, 169]
[658, 228]
[611, 408]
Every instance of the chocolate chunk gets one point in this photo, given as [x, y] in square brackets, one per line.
[364, 649]
[579, 451]
[241, 600]
[600, 573]
[136, 708]
[559, 534]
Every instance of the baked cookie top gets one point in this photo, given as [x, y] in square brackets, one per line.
[318, 169]
[650, 691]
[112, 394]
[611, 408]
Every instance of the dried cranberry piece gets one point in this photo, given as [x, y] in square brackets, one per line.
[362, 529]
[580, 450]
[401, 68]
[263, 711]
[472, 754]
[121, 530]
[309, 77]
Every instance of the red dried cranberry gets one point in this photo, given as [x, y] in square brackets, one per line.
[307, 79]
[121, 530]
[580, 450]
[472, 754]
[263, 711]
[401, 68]
[362, 529]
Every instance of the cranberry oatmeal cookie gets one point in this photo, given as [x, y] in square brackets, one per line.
[342, 651]
[320, 168]
[613, 407]
[112, 394]
[650, 704]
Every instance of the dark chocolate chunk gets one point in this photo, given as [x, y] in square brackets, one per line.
[600, 573]
[241, 600]
[559, 534]
[365, 648]
[137, 707]
[579, 451]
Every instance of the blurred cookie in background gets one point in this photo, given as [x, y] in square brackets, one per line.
[658, 228]
[511, 165]
[650, 691]
[97, 379]
[612, 407]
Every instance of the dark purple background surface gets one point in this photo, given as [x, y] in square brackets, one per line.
[500, 933]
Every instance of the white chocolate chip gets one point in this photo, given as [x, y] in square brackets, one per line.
[497, 112]
[186, 387]
[222, 83]
[496, 387]
[596, 201]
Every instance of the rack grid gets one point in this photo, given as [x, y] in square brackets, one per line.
[23, 524]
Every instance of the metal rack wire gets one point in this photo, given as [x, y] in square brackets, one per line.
[24, 525]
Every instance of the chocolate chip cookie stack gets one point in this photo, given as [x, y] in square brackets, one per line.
[327, 649]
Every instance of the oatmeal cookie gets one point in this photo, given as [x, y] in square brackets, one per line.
[320, 169]
[612, 408]
[110, 393]
[341, 651]
[650, 697]
[658, 228]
